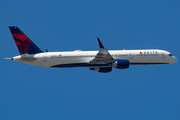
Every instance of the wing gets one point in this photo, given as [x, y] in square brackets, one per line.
[103, 56]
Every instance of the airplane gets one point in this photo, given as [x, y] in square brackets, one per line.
[102, 61]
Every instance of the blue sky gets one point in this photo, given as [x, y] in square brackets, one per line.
[138, 93]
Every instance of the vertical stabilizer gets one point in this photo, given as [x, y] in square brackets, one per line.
[23, 43]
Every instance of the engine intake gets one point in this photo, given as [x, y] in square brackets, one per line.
[121, 64]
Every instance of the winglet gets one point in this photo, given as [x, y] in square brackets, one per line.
[103, 56]
[100, 43]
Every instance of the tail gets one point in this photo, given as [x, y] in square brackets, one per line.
[23, 43]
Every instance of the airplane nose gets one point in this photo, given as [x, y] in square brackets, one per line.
[174, 59]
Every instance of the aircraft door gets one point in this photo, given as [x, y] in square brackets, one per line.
[130, 57]
[45, 59]
[163, 56]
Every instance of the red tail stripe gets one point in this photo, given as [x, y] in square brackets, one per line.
[25, 40]
[21, 37]
[19, 48]
[26, 44]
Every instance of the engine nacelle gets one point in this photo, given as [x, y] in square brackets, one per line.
[102, 69]
[121, 64]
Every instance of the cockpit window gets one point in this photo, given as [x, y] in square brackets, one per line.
[170, 55]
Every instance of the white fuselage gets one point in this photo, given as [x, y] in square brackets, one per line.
[82, 58]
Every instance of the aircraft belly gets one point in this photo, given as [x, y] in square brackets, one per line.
[62, 61]
[34, 62]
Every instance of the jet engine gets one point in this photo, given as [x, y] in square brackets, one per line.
[102, 69]
[121, 64]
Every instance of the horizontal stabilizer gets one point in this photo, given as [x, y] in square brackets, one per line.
[27, 57]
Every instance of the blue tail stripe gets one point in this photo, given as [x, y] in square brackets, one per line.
[15, 30]
[33, 49]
